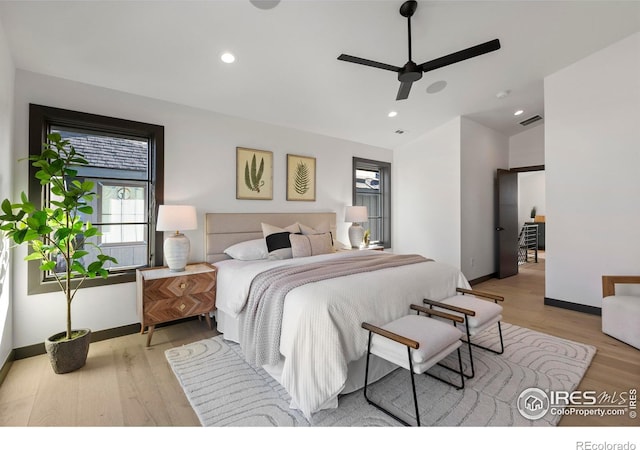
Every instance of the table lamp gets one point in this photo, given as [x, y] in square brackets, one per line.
[356, 215]
[176, 247]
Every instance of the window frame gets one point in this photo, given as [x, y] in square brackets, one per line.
[41, 118]
[384, 168]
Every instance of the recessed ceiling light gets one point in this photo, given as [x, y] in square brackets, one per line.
[436, 87]
[228, 58]
[518, 112]
[265, 4]
[503, 94]
[393, 113]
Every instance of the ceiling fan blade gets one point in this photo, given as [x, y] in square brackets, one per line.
[368, 62]
[403, 91]
[467, 53]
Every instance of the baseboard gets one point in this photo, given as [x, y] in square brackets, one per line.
[96, 336]
[573, 306]
[4, 370]
[482, 279]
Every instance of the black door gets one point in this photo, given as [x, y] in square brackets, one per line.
[507, 223]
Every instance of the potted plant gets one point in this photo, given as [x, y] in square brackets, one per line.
[58, 238]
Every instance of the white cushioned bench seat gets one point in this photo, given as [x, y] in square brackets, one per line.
[486, 313]
[480, 310]
[436, 340]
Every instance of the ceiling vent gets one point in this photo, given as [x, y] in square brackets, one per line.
[530, 120]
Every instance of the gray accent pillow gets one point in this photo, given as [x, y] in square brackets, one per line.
[310, 244]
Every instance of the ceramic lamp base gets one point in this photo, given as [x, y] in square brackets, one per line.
[356, 234]
[176, 252]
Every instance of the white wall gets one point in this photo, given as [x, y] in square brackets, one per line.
[200, 158]
[443, 195]
[7, 73]
[426, 195]
[483, 151]
[527, 148]
[531, 192]
[592, 160]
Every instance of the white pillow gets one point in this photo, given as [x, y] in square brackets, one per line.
[277, 240]
[324, 228]
[248, 250]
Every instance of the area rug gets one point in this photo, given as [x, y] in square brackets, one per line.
[224, 390]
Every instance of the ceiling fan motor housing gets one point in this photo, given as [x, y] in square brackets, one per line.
[410, 73]
[408, 8]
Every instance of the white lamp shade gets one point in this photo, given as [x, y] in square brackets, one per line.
[177, 246]
[176, 218]
[357, 214]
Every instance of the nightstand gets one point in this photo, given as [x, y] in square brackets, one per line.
[163, 296]
[370, 247]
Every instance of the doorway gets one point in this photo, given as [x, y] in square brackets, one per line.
[520, 206]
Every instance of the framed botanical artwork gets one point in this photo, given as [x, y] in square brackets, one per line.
[301, 178]
[254, 174]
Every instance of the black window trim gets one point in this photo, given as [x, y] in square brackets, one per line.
[385, 181]
[40, 120]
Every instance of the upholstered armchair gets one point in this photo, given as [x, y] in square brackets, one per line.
[621, 313]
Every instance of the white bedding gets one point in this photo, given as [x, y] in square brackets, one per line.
[321, 325]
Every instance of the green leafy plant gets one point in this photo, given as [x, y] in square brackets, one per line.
[57, 234]
[253, 176]
[301, 178]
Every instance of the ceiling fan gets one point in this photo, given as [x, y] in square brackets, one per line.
[411, 71]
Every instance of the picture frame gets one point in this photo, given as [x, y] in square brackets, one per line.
[301, 178]
[254, 174]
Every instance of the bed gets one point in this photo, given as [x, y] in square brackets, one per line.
[316, 331]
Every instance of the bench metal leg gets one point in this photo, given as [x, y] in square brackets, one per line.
[459, 371]
[413, 387]
[497, 352]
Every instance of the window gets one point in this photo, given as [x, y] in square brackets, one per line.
[126, 166]
[372, 188]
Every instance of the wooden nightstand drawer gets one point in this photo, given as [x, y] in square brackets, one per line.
[164, 296]
[167, 309]
[180, 285]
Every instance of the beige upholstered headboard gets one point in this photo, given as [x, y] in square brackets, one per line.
[225, 229]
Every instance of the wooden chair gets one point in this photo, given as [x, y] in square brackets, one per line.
[621, 313]
[416, 343]
[480, 311]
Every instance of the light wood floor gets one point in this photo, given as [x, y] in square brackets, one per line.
[126, 384]
[616, 365]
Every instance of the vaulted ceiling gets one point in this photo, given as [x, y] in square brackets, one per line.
[287, 72]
